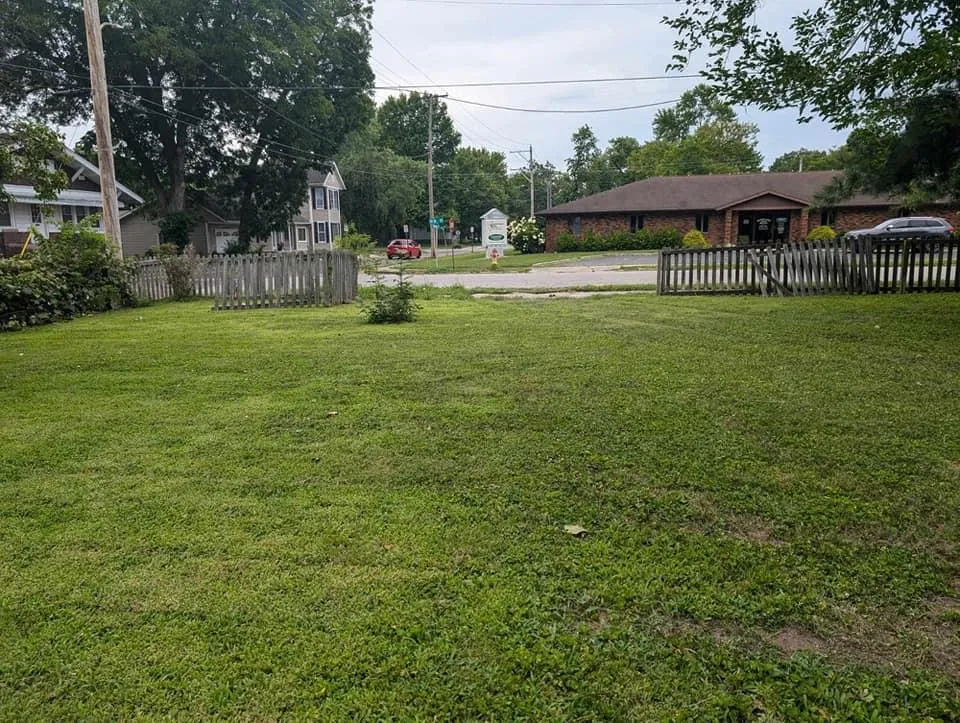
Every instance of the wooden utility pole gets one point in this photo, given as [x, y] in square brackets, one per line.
[532, 209]
[433, 230]
[101, 119]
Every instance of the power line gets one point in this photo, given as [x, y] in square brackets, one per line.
[442, 87]
[564, 110]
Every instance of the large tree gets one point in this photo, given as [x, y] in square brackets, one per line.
[472, 183]
[585, 168]
[385, 189]
[809, 160]
[699, 135]
[250, 90]
[887, 69]
[404, 121]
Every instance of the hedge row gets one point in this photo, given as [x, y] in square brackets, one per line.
[665, 238]
[70, 274]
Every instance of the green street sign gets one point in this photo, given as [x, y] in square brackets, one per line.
[495, 237]
[437, 221]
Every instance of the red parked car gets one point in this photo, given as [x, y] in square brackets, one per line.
[401, 248]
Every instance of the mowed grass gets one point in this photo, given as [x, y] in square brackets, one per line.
[770, 489]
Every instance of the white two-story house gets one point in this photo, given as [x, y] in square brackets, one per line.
[24, 211]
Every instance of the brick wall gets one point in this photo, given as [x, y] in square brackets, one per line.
[848, 219]
[606, 223]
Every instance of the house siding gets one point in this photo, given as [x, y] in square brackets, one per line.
[138, 235]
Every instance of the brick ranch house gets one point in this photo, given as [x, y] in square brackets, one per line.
[729, 209]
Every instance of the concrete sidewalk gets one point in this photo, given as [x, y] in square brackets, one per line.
[535, 279]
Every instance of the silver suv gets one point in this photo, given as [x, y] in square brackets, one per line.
[909, 226]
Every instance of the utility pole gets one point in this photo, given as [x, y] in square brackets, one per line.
[532, 203]
[549, 189]
[801, 163]
[433, 231]
[101, 119]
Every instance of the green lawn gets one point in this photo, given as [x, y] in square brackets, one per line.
[770, 487]
[476, 261]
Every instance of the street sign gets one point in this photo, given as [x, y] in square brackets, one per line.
[437, 221]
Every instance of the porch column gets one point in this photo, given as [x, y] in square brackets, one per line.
[804, 223]
[728, 228]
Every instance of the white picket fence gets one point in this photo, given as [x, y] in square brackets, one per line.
[286, 278]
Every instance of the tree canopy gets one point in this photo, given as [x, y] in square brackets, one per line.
[885, 70]
[202, 89]
[26, 150]
[808, 160]
[403, 123]
[699, 135]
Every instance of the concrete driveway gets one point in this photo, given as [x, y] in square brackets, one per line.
[560, 278]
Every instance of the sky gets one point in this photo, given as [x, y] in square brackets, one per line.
[418, 42]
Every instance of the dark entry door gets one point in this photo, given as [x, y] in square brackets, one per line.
[761, 227]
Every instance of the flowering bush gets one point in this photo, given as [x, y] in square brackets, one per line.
[694, 239]
[525, 236]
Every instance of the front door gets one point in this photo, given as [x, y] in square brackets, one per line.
[763, 227]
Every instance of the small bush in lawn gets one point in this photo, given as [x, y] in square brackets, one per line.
[694, 239]
[566, 241]
[525, 236]
[391, 304]
[822, 233]
[180, 268]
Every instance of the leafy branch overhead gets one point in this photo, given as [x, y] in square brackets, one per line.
[887, 70]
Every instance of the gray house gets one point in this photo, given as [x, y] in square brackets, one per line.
[317, 224]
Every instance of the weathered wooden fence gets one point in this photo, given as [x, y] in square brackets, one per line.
[844, 265]
[290, 278]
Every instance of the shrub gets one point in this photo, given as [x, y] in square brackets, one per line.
[75, 272]
[665, 238]
[94, 278]
[525, 236]
[29, 294]
[822, 233]
[359, 242]
[180, 268]
[391, 304]
[694, 239]
[175, 228]
[566, 241]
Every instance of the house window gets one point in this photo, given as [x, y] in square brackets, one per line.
[81, 213]
[321, 233]
[36, 213]
[703, 222]
[5, 214]
[828, 217]
[334, 198]
[574, 225]
[636, 222]
[301, 233]
[66, 212]
[334, 231]
[319, 198]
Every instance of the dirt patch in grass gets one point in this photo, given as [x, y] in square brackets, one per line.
[795, 640]
[930, 641]
[752, 529]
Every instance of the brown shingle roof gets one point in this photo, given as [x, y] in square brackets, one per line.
[703, 193]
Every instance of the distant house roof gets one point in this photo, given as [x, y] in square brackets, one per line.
[703, 193]
[80, 163]
[320, 175]
[494, 213]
